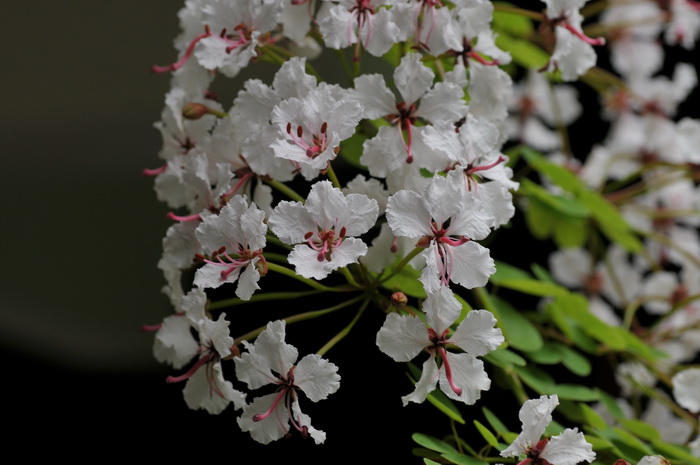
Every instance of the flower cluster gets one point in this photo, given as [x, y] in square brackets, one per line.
[265, 185]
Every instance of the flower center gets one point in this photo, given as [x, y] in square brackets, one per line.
[316, 145]
[324, 241]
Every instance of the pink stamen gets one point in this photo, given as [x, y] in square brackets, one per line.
[583, 37]
[151, 327]
[175, 217]
[155, 171]
[448, 371]
[394, 244]
[238, 185]
[453, 242]
[190, 49]
[475, 169]
[191, 371]
[259, 417]
[482, 60]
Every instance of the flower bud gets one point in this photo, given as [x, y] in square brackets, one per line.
[195, 110]
[399, 299]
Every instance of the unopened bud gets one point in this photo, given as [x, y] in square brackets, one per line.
[399, 299]
[194, 111]
[621, 462]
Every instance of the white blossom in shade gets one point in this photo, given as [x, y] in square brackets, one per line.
[360, 22]
[695, 446]
[490, 89]
[206, 387]
[310, 129]
[233, 240]
[567, 448]
[372, 188]
[684, 25]
[174, 343]
[270, 360]
[461, 375]
[686, 389]
[324, 229]
[403, 142]
[628, 374]
[296, 20]
[446, 220]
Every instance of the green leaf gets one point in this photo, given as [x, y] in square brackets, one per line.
[673, 451]
[539, 219]
[429, 442]
[632, 441]
[574, 392]
[556, 173]
[575, 306]
[541, 273]
[570, 232]
[430, 462]
[564, 206]
[461, 459]
[592, 417]
[523, 52]
[610, 221]
[495, 423]
[517, 329]
[642, 429]
[351, 150]
[574, 361]
[549, 354]
[505, 358]
[506, 271]
[488, 435]
[612, 405]
[407, 282]
[532, 287]
[536, 378]
[511, 23]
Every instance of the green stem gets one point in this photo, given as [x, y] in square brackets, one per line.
[677, 306]
[299, 317]
[283, 51]
[346, 65]
[284, 189]
[309, 282]
[261, 298]
[344, 332]
[350, 278]
[401, 265]
[276, 257]
[331, 175]
[272, 239]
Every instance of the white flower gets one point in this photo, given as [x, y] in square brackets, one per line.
[461, 375]
[324, 229]
[234, 239]
[310, 128]
[447, 220]
[390, 148]
[270, 360]
[686, 389]
[568, 448]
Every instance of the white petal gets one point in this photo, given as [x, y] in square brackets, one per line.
[686, 389]
[535, 415]
[468, 374]
[476, 333]
[269, 429]
[441, 309]
[412, 78]
[402, 337]
[317, 377]
[374, 96]
[408, 214]
[472, 265]
[290, 221]
[568, 448]
[425, 385]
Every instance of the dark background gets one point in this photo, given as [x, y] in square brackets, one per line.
[81, 238]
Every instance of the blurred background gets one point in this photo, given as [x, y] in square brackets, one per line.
[82, 234]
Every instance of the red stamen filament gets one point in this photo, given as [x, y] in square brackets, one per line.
[583, 37]
[155, 171]
[190, 49]
[191, 371]
[448, 371]
[175, 217]
[482, 60]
